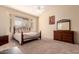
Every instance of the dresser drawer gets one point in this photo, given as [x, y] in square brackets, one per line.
[57, 35]
[67, 35]
[3, 39]
[64, 35]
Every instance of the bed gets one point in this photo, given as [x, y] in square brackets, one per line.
[23, 37]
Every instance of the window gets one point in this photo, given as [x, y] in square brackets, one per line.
[22, 22]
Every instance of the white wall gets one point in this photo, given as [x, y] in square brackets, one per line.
[4, 22]
[5, 19]
[60, 12]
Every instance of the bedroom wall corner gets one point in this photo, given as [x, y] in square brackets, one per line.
[60, 12]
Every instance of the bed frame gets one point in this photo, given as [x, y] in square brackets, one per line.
[31, 39]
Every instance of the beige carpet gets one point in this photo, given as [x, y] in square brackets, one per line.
[7, 46]
[44, 47]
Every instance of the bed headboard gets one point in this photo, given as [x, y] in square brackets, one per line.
[20, 29]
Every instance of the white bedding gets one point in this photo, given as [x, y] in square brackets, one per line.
[30, 33]
[26, 36]
[17, 36]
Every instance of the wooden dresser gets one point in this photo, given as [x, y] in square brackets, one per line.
[3, 39]
[64, 35]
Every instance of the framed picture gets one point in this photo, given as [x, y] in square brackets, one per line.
[52, 20]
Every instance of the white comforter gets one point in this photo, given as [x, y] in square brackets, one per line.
[26, 36]
[17, 36]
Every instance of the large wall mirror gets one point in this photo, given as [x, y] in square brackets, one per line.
[64, 24]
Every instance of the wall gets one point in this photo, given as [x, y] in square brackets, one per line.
[21, 14]
[4, 22]
[5, 19]
[60, 12]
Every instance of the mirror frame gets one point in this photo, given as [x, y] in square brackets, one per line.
[63, 21]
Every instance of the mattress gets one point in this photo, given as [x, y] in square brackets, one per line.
[30, 35]
[26, 36]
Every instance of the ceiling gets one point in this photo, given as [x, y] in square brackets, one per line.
[30, 9]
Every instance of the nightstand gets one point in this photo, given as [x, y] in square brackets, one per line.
[3, 39]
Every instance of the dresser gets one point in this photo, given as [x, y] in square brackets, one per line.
[64, 35]
[3, 39]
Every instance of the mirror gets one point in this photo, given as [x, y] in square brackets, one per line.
[64, 24]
